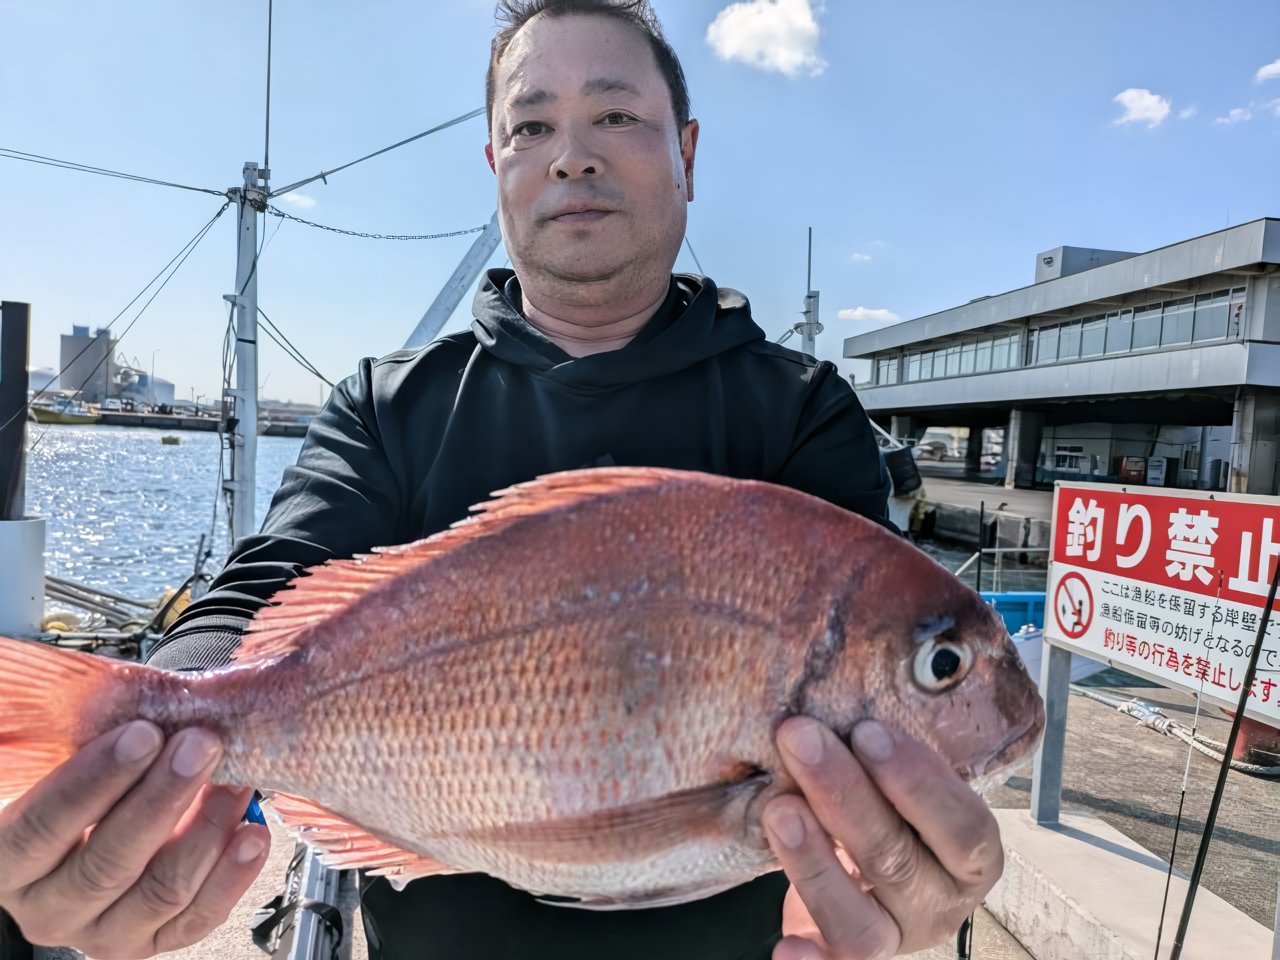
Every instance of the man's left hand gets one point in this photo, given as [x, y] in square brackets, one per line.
[915, 849]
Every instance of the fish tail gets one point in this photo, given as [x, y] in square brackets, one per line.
[52, 702]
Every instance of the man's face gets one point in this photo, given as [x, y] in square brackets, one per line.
[593, 174]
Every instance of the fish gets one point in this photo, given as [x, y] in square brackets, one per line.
[574, 689]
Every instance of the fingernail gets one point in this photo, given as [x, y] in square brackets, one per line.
[804, 740]
[872, 741]
[225, 809]
[251, 847]
[787, 826]
[194, 754]
[138, 741]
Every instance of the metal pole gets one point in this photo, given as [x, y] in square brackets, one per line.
[1275, 943]
[15, 326]
[242, 425]
[452, 292]
[810, 327]
[982, 518]
[1046, 775]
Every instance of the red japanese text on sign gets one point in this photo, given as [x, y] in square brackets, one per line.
[1217, 548]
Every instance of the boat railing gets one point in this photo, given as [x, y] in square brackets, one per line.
[1005, 576]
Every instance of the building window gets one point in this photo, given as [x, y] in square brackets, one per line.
[953, 361]
[1069, 341]
[982, 357]
[1067, 456]
[1047, 345]
[926, 365]
[1119, 331]
[1235, 315]
[1005, 353]
[1146, 327]
[1177, 321]
[1093, 337]
[887, 370]
[966, 357]
[1211, 316]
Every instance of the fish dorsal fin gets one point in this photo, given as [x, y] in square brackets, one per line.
[333, 586]
[345, 846]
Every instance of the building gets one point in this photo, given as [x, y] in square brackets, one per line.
[1160, 367]
[86, 363]
[42, 379]
[142, 388]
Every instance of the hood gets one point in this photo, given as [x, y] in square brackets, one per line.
[696, 321]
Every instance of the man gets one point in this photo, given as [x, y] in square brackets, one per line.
[590, 352]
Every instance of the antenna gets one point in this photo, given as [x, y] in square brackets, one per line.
[809, 327]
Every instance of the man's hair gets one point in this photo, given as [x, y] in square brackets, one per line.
[637, 13]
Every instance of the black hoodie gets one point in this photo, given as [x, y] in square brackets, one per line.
[410, 441]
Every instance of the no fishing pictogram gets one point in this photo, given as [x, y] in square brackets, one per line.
[1073, 605]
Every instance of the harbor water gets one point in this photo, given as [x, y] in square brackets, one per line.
[125, 511]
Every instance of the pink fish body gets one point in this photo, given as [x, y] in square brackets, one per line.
[575, 691]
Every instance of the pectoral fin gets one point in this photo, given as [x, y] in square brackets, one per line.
[633, 831]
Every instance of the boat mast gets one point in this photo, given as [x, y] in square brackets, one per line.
[240, 405]
[452, 292]
[810, 327]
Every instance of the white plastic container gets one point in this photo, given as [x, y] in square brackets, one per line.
[21, 576]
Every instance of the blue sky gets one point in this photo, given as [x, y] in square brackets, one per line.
[934, 148]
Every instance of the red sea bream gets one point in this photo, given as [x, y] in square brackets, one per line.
[576, 690]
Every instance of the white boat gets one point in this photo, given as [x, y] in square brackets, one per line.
[1029, 642]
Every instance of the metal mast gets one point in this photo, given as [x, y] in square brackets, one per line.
[810, 327]
[240, 405]
[452, 292]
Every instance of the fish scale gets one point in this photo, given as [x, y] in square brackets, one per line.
[577, 689]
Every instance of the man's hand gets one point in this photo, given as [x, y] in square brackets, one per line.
[918, 849]
[125, 851]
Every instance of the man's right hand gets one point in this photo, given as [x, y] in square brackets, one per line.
[125, 851]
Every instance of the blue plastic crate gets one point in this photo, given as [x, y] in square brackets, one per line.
[1019, 608]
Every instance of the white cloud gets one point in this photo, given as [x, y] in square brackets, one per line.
[1272, 105]
[878, 243]
[877, 315]
[1237, 115]
[1186, 113]
[1270, 72]
[779, 35]
[861, 258]
[1142, 106]
[299, 201]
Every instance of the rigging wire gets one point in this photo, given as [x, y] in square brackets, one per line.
[182, 253]
[292, 351]
[325, 174]
[1211, 818]
[190, 249]
[694, 255]
[11, 154]
[1186, 776]
[277, 212]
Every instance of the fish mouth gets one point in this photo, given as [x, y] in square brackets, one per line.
[1012, 749]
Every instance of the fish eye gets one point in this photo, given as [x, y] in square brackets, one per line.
[941, 663]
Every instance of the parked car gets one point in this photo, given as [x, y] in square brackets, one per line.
[110, 405]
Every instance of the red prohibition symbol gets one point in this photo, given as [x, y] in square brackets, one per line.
[1073, 605]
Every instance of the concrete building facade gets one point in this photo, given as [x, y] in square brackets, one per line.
[87, 363]
[1160, 367]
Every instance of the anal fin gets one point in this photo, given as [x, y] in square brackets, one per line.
[345, 846]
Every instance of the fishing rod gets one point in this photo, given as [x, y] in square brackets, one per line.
[1228, 749]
